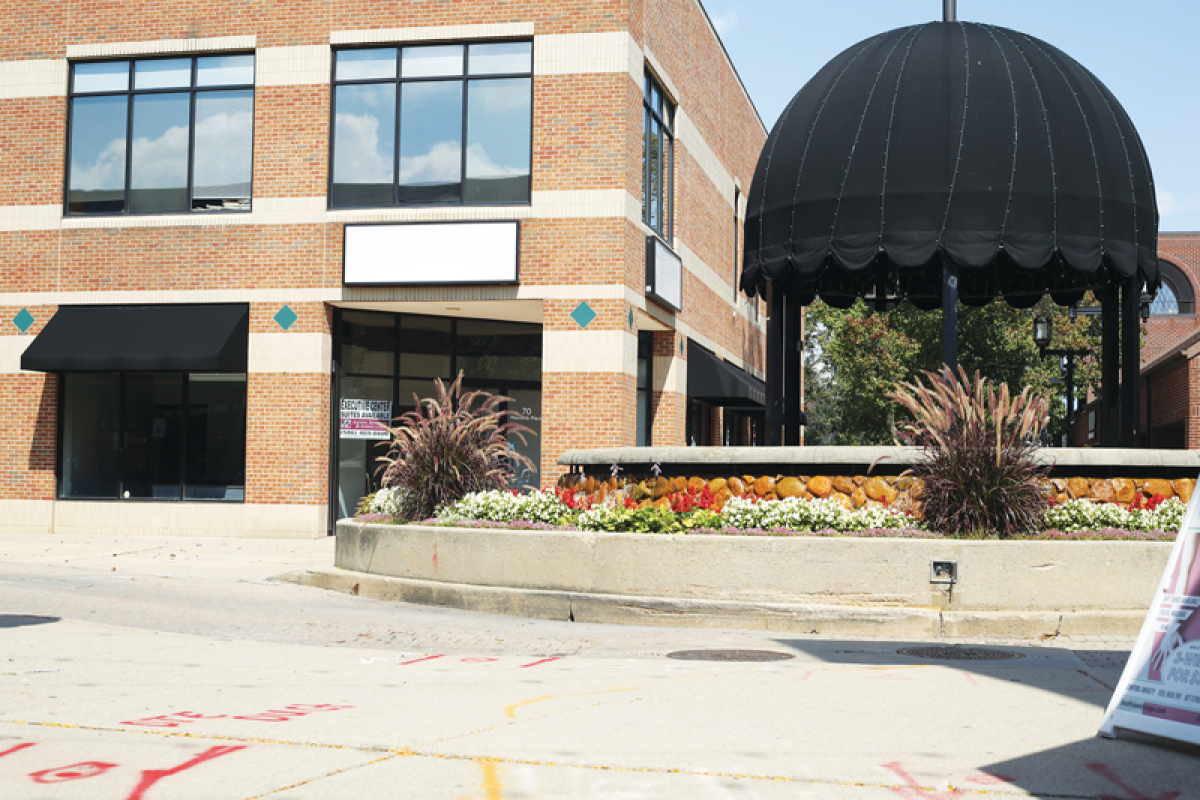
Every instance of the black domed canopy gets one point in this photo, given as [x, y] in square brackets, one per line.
[951, 142]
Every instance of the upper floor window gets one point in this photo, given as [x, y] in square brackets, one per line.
[658, 150]
[161, 135]
[1175, 294]
[433, 124]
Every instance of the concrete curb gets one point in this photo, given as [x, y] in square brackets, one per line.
[839, 620]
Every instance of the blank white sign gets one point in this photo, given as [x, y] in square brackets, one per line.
[460, 252]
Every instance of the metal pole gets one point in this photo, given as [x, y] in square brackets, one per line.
[949, 314]
[791, 370]
[775, 345]
[949, 11]
[1110, 334]
[1131, 353]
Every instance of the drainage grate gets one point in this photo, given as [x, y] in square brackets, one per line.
[959, 653]
[1108, 659]
[729, 655]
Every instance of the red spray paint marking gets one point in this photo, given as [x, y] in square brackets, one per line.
[15, 748]
[153, 776]
[419, 660]
[1107, 773]
[435, 566]
[72, 772]
[543, 661]
[913, 790]
[477, 660]
[805, 676]
[174, 720]
[971, 678]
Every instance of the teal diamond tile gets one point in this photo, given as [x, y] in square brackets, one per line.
[23, 320]
[583, 315]
[286, 317]
[631, 319]
[681, 347]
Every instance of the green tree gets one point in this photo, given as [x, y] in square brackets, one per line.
[855, 357]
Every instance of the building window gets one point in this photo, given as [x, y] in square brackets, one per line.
[658, 149]
[433, 124]
[1175, 294]
[153, 435]
[161, 135]
[645, 383]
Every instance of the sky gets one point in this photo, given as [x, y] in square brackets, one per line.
[1145, 51]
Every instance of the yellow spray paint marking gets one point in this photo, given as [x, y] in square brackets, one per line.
[491, 778]
[511, 711]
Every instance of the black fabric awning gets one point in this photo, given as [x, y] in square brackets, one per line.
[200, 338]
[716, 381]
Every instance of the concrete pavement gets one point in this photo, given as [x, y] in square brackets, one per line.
[178, 669]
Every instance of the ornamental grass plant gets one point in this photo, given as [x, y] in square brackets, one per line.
[978, 467]
[448, 447]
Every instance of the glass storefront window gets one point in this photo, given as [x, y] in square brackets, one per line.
[495, 356]
[153, 435]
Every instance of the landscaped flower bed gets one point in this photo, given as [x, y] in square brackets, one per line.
[693, 511]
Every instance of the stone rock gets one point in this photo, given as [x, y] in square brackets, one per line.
[806, 495]
[820, 486]
[1124, 489]
[770, 496]
[696, 483]
[638, 491]
[1061, 497]
[1183, 487]
[844, 485]
[789, 487]
[1158, 486]
[679, 484]
[717, 485]
[764, 486]
[737, 486]
[1078, 487]
[878, 490]
[1104, 491]
[661, 487]
[748, 480]
[859, 497]
[917, 490]
[804, 478]
[1059, 485]
[859, 480]
[905, 482]
[842, 500]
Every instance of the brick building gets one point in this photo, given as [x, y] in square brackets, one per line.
[236, 235]
[1170, 373]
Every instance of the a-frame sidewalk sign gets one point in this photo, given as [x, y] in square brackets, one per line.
[1159, 692]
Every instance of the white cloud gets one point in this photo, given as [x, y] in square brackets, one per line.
[106, 172]
[357, 156]
[481, 165]
[442, 163]
[1171, 203]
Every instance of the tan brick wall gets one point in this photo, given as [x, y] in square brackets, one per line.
[287, 438]
[32, 150]
[581, 410]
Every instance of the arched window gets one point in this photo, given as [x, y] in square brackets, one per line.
[1175, 295]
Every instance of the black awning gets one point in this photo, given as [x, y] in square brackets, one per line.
[716, 381]
[200, 338]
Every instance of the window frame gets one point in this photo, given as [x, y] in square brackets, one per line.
[464, 79]
[122, 396]
[1175, 279]
[666, 189]
[129, 93]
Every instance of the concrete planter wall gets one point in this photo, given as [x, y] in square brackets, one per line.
[1003, 588]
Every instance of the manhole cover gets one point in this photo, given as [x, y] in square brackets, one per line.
[729, 655]
[959, 653]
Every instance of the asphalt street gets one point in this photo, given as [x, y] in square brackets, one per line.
[143, 668]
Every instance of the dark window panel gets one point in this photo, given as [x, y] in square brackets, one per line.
[153, 435]
[224, 142]
[431, 142]
[96, 181]
[91, 430]
[158, 175]
[364, 145]
[499, 130]
[216, 431]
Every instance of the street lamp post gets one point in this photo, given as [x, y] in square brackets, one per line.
[1043, 334]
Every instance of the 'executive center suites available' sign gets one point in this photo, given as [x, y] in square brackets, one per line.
[435, 252]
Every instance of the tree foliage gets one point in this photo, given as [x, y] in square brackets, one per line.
[855, 357]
